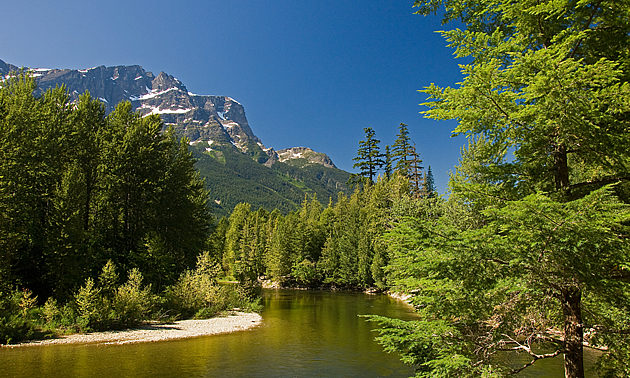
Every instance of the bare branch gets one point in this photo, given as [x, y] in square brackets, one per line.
[535, 358]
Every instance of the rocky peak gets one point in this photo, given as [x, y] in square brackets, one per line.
[6, 68]
[303, 156]
[164, 81]
[218, 121]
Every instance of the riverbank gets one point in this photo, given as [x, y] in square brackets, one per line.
[235, 321]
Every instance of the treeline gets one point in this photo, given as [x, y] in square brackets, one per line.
[78, 188]
[233, 177]
[337, 246]
[103, 218]
[401, 157]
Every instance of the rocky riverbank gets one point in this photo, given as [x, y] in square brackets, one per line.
[235, 321]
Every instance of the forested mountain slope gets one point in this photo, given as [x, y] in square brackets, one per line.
[235, 164]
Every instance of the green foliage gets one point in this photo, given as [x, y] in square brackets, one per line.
[78, 188]
[369, 158]
[531, 239]
[107, 305]
[132, 303]
[428, 188]
[17, 319]
[281, 186]
[426, 345]
[400, 151]
[198, 294]
[197, 289]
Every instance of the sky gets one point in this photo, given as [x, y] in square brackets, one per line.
[308, 73]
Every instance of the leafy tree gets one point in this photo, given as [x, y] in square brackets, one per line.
[540, 242]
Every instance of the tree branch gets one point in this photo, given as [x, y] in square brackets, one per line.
[599, 182]
[587, 26]
[604, 329]
[535, 358]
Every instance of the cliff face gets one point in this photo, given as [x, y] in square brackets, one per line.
[200, 118]
[302, 156]
[212, 120]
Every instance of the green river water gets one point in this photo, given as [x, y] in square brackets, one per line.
[303, 334]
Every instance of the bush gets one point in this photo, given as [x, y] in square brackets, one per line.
[17, 322]
[198, 294]
[109, 306]
[91, 307]
[132, 303]
[195, 290]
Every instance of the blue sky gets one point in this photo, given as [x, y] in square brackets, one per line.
[309, 73]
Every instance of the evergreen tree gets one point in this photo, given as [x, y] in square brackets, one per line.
[369, 159]
[233, 236]
[429, 184]
[388, 162]
[400, 151]
[534, 241]
[415, 172]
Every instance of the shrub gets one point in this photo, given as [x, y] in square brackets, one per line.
[17, 322]
[197, 293]
[91, 308]
[132, 303]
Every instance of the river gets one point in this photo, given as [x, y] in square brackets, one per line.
[303, 334]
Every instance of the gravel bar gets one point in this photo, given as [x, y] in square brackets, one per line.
[236, 321]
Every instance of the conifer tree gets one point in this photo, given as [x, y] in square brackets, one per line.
[534, 237]
[400, 151]
[415, 171]
[369, 159]
[429, 184]
[388, 162]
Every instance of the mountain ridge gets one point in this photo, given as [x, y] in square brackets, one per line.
[198, 117]
[217, 128]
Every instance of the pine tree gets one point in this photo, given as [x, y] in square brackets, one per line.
[369, 159]
[388, 162]
[415, 172]
[429, 184]
[400, 151]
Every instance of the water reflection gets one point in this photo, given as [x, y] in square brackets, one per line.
[303, 334]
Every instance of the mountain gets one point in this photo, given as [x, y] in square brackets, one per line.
[237, 167]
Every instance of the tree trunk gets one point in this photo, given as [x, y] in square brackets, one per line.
[561, 168]
[573, 333]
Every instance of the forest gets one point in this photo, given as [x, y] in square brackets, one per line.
[105, 221]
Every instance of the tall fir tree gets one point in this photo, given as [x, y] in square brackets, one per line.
[387, 167]
[369, 158]
[534, 237]
[416, 177]
[400, 151]
[428, 185]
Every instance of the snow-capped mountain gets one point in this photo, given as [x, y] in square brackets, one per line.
[208, 121]
[235, 164]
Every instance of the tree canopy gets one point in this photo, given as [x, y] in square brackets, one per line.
[531, 249]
